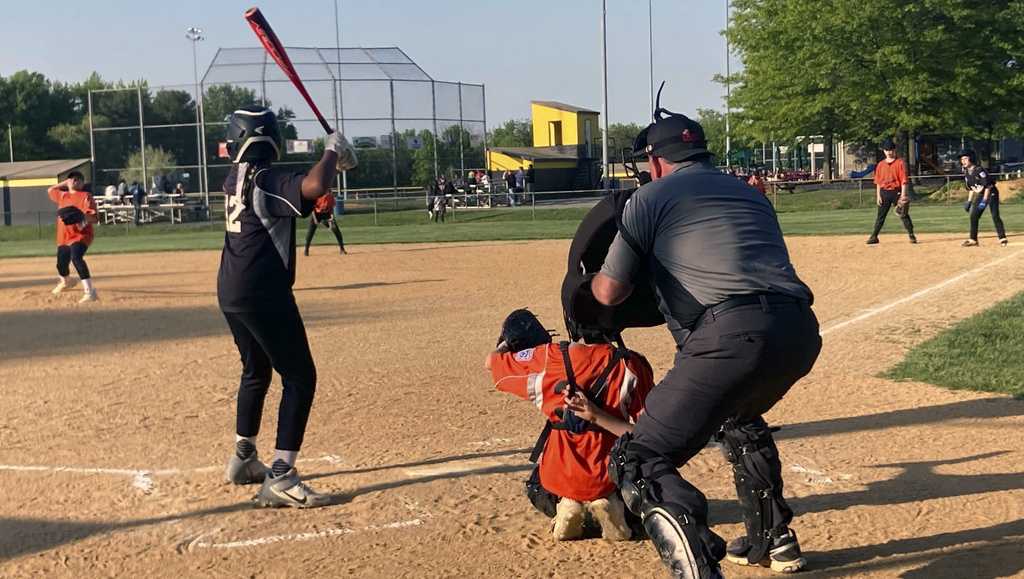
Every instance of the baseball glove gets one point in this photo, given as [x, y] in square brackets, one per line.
[522, 330]
[902, 206]
[71, 215]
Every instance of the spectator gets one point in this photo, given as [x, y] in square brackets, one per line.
[110, 191]
[530, 175]
[757, 182]
[179, 189]
[470, 178]
[520, 180]
[138, 193]
[122, 190]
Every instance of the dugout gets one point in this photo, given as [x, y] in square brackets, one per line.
[24, 185]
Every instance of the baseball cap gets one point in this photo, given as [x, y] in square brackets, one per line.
[675, 138]
[888, 145]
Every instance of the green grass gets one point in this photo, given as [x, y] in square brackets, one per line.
[980, 353]
[807, 214]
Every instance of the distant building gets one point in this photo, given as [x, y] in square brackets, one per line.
[23, 187]
[563, 154]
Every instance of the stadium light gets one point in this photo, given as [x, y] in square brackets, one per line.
[195, 35]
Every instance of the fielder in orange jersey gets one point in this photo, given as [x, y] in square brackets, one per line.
[76, 214]
[323, 214]
[591, 393]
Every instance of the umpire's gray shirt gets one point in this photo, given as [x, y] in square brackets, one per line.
[707, 237]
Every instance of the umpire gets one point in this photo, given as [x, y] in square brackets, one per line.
[744, 333]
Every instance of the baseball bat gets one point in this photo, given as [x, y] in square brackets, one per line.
[276, 50]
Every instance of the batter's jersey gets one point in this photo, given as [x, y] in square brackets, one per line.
[68, 234]
[257, 265]
[575, 465]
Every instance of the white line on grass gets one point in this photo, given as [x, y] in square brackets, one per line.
[917, 295]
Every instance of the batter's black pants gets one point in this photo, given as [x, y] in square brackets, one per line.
[889, 198]
[993, 209]
[736, 365]
[269, 341]
[74, 253]
[315, 222]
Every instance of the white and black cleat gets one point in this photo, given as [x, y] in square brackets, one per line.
[288, 490]
[783, 557]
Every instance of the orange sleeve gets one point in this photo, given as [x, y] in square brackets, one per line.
[901, 172]
[54, 193]
[644, 384]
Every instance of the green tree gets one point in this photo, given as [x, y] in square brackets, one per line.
[514, 133]
[158, 162]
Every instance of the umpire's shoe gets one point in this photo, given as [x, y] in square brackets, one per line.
[246, 471]
[288, 490]
[783, 557]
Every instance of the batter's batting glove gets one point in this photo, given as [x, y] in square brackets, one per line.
[346, 154]
[982, 205]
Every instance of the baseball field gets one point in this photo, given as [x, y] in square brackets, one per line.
[118, 418]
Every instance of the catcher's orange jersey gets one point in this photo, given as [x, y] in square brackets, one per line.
[68, 234]
[324, 204]
[575, 465]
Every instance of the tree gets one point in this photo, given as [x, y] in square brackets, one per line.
[514, 133]
[158, 162]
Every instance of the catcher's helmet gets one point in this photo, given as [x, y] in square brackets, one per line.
[253, 135]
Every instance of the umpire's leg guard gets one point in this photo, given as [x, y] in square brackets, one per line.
[684, 542]
[757, 471]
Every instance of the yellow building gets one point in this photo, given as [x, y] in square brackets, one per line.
[563, 151]
[23, 186]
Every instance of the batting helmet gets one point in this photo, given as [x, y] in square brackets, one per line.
[970, 154]
[253, 135]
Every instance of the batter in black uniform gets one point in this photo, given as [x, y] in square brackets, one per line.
[981, 193]
[744, 333]
[254, 289]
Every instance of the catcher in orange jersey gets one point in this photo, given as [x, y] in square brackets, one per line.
[76, 213]
[323, 214]
[590, 392]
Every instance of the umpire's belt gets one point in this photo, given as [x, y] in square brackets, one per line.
[764, 300]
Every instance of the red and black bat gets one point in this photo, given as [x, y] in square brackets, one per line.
[276, 50]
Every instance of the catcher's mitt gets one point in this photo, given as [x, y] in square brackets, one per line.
[71, 215]
[522, 330]
[902, 206]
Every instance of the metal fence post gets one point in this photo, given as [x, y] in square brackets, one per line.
[39, 223]
[533, 206]
[860, 193]
[375, 211]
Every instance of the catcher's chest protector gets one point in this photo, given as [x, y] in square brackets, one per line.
[586, 255]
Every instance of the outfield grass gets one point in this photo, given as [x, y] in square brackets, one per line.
[411, 226]
[979, 353]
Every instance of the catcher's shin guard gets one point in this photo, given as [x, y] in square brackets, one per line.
[757, 471]
[687, 547]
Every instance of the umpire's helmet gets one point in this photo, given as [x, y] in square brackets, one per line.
[253, 135]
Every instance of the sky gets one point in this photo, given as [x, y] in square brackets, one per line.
[521, 51]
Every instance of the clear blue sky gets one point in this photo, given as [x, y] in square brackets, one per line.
[521, 50]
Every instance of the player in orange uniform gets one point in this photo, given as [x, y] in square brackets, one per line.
[609, 386]
[76, 213]
[323, 214]
[891, 188]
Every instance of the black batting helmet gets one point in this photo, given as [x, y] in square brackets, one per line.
[970, 154]
[253, 135]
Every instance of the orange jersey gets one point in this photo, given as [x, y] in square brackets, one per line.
[324, 204]
[575, 465]
[68, 234]
[891, 176]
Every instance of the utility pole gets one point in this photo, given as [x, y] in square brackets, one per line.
[10, 141]
[728, 90]
[604, 97]
[196, 35]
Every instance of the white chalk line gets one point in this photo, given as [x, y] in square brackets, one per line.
[918, 294]
[310, 536]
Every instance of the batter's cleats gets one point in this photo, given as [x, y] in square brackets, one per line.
[288, 490]
[245, 471]
[783, 557]
[1004, 242]
[913, 238]
[610, 514]
[89, 296]
[969, 243]
[872, 241]
[568, 522]
[62, 285]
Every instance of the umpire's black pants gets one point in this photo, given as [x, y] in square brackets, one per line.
[993, 209]
[72, 254]
[737, 364]
[889, 198]
[270, 341]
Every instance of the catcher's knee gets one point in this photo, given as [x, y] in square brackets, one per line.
[540, 498]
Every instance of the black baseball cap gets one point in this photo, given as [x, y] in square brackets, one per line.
[888, 145]
[675, 138]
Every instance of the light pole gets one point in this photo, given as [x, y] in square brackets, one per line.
[728, 89]
[195, 35]
[650, 46]
[604, 98]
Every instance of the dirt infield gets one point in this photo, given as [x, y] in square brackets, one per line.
[118, 416]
